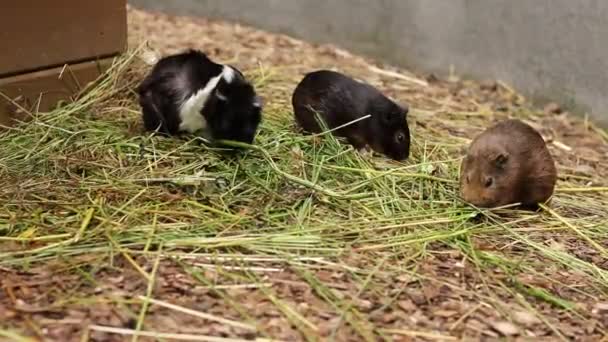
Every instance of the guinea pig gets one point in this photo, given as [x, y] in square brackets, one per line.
[339, 99]
[507, 163]
[187, 92]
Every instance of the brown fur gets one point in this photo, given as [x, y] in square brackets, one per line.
[507, 163]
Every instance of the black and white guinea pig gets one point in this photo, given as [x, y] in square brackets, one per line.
[187, 92]
[339, 100]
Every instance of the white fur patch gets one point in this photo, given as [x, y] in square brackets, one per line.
[228, 74]
[190, 110]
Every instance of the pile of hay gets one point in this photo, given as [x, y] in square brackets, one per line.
[107, 231]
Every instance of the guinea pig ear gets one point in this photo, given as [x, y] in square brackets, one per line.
[501, 159]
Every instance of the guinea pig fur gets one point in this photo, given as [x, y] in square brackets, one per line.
[187, 92]
[339, 99]
[508, 163]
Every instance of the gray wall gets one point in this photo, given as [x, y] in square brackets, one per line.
[548, 49]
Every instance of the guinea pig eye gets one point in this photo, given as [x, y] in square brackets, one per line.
[400, 137]
[221, 96]
[489, 181]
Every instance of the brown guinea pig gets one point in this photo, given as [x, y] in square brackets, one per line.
[507, 163]
[339, 100]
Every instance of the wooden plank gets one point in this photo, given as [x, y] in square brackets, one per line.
[39, 34]
[41, 91]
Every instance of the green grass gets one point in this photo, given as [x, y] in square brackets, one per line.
[82, 187]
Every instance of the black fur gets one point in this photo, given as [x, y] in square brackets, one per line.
[339, 99]
[177, 77]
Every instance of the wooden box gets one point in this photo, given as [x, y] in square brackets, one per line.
[51, 49]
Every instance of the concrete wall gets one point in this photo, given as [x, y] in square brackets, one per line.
[548, 49]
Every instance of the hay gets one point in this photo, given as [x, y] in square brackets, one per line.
[299, 236]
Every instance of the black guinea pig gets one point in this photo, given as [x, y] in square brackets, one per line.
[187, 92]
[339, 99]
